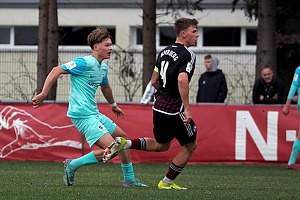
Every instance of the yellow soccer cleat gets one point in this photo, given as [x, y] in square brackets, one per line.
[163, 186]
[114, 149]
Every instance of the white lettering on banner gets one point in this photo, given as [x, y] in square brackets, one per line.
[291, 135]
[244, 122]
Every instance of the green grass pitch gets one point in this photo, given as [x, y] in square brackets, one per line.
[43, 180]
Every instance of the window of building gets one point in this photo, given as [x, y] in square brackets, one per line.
[68, 36]
[251, 36]
[166, 36]
[139, 36]
[221, 36]
[4, 35]
[227, 37]
[77, 36]
[26, 35]
[74, 36]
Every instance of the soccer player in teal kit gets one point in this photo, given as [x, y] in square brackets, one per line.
[87, 74]
[295, 87]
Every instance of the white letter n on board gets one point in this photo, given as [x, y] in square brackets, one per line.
[244, 122]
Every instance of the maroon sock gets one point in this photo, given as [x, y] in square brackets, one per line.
[139, 144]
[173, 171]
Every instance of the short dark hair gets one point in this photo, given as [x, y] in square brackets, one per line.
[208, 56]
[266, 67]
[183, 24]
[97, 36]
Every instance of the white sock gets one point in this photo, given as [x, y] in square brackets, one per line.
[166, 180]
[128, 144]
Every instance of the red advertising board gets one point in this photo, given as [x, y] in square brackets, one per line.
[226, 133]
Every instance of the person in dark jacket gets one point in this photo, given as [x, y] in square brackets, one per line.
[212, 83]
[268, 89]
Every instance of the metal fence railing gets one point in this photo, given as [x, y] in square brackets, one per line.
[18, 74]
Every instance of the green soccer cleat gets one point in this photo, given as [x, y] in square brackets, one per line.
[113, 149]
[135, 183]
[69, 173]
[163, 186]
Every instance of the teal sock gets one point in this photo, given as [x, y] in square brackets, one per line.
[128, 172]
[295, 152]
[87, 159]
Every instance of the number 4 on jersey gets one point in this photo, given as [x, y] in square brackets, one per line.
[163, 71]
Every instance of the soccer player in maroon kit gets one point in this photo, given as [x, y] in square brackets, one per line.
[171, 111]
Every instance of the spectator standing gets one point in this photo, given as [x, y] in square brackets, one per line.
[268, 89]
[212, 83]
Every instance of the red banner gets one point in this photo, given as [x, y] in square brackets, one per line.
[226, 133]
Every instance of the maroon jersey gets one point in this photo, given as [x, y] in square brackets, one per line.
[171, 61]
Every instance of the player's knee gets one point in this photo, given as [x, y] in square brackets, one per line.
[119, 133]
[195, 145]
[123, 135]
[162, 147]
[191, 147]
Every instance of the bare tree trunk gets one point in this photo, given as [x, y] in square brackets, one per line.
[53, 41]
[266, 36]
[42, 44]
[149, 45]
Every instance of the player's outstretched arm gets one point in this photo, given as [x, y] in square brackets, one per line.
[50, 80]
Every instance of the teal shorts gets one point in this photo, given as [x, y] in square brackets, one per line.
[94, 127]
